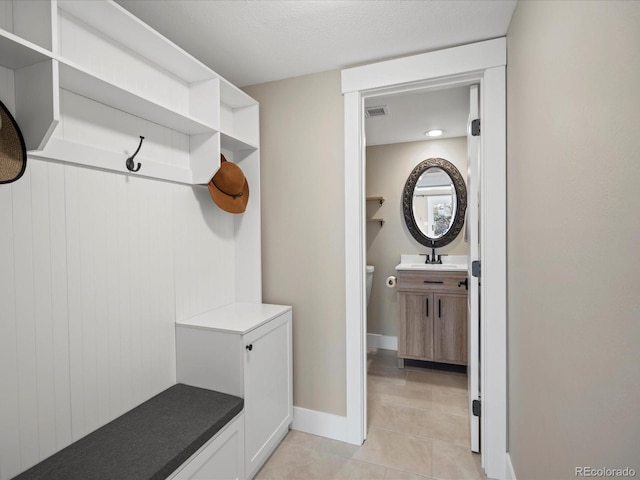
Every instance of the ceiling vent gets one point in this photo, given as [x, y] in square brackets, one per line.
[379, 111]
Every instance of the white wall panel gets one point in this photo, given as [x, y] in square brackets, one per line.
[59, 306]
[43, 321]
[204, 252]
[25, 319]
[94, 269]
[9, 401]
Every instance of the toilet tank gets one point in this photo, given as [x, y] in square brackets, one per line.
[370, 270]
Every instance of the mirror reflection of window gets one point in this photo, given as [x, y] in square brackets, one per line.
[434, 202]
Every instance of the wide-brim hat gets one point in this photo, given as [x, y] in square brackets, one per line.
[13, 152]
[229, 187]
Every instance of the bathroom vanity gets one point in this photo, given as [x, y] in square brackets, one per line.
[432, 287]
[433, 313]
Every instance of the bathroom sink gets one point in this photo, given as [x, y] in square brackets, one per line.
[450, 263]
[447, 267]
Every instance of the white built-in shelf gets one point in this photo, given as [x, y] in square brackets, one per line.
[381, 201]
[113, 21]
[238, 117]
[228, 142]
[77, 80]
[92, 156]
[17, 53]
[99, 51]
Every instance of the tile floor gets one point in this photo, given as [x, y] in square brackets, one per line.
[418, 428]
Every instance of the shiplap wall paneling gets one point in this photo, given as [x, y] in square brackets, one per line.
[248, 235]
[204, 252]
[9, 421]
[59, 304]
[25, 319]
[121, 309]
[45, 329]
[35, 407]
[9, 400]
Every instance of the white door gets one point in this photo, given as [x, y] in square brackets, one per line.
[473, 229]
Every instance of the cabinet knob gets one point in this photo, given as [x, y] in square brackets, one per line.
[249, 347]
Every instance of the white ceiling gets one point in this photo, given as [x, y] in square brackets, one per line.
[411, 114]
[255, 41]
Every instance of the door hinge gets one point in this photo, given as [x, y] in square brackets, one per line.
[475, 408]
[475, 268]
[475, 127]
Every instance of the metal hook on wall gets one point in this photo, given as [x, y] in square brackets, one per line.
[130, 164]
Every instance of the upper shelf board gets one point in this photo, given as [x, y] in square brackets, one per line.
[119, 24]
[78, 80]
[17, 53]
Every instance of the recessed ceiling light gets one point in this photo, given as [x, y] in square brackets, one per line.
[434, 133]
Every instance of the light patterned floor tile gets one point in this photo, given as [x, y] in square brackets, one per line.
[398, 475]
[418, 430]
[396, 450]
[418, 422]
[454, 462]
[454, 403]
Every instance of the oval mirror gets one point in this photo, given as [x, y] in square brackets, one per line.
[434, 202]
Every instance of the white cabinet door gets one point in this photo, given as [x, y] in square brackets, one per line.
[222, 458]
[268, 389]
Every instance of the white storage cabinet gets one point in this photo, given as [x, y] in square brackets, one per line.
[243, 349]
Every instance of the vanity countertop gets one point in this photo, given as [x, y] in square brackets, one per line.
[450, 263]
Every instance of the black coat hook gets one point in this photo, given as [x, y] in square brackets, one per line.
[130, 164]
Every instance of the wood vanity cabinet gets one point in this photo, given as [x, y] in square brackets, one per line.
[433, 316]
[244, 349]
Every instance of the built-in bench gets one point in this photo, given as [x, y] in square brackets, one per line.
[152, 441]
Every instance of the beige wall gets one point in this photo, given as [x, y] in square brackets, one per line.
[388, 167]
[302, 181]
[573, 172]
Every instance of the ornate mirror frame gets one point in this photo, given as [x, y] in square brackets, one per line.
[461, 194]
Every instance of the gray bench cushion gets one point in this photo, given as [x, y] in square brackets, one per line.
[148, 442]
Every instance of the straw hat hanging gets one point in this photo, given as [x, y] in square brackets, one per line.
[13, 152]
[229, 187]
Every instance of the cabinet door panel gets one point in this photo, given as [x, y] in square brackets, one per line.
[450, 329]
[267, 388]
[415, 335]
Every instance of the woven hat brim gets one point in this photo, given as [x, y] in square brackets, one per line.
[13, 152]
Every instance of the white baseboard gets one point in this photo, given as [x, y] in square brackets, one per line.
[385, 342]
[511, 473]
[320, 423]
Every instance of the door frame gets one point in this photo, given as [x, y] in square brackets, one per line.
[486, 62]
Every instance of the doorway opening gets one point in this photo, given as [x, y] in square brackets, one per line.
[440, 363]
[483, 63]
